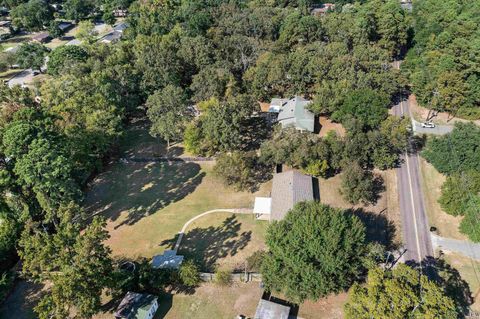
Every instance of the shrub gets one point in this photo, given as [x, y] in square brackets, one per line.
[223, 277]
[189, 275]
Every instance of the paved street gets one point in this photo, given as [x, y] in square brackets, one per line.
[415, 227]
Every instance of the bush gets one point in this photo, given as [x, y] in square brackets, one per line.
[470, 224]
[358, 185]
[223, 277]
[254, 261]
[456, 191]
[189, 275]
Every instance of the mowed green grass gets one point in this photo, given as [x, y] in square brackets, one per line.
[147, 204]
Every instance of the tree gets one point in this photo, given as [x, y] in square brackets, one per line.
[189, 275]
[54, 29]
[31, 55]
[470, 224]
[78, 9]
[455, 152]
[457, 190]
[76, 262]
[316, 250]
[358, 185]
[396, 294]
[367, 106]
[241, 170]
[168, 110]
[86, 32]
[65, 56]
[32, 16]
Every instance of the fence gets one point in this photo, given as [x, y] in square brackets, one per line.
[238, 277]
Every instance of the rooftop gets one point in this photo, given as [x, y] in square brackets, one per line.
[270, 310]
[135, 306]
[288, 189]
[169, 260]
[294, 114]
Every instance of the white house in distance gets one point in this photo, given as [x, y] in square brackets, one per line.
[288, 188]
[137, 306]
[293, 113]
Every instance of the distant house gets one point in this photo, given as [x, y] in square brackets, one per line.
[288, 189]
[293, 113]
[322, 9]
[42, 37]
[168, 260]
[116, 34]
[137, 306]
[271, 310]
[65, 26]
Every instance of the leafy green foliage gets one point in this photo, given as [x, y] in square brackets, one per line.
[32, 15]
[470, 224]
[76, 262]
[442, 73]
[78, 9]
[223, 277]
[168, 110]
[189, 274]
[54, 29]
[455, 152]
[316, 250]
[366, 106]
[358, 185]
[457, 190]
[241, 170]
[65, 56]
[31, 55]
[395, 294]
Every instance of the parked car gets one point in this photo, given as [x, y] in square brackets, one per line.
[428, 125]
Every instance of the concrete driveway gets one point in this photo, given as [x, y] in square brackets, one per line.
[464, 247]
[437, 130]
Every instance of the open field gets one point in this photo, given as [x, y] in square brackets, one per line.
[432, 180]
[382, 219]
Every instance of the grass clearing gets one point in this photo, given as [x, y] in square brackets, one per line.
[469, 270]
[382, 219]
[432, 181]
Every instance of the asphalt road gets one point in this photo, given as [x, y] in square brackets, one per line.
[416, 233]
[464, 247]
[437, 130]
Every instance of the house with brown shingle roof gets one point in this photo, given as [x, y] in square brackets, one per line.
[288, 189]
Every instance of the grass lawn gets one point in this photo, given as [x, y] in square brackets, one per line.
[432, 180]
[146, 205]
[469, 270]
[382, 219]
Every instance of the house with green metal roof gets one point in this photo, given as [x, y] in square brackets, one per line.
[137, 306]
[294, 113]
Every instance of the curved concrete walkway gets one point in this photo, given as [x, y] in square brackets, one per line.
[464, 247]
[220, 210]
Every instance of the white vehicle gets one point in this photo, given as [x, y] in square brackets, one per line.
[428, 125]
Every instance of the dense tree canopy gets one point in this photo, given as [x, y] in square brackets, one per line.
[31, 55]
[33, 15]
[444, 77]
[316, 250]
[65, 56]
[396, 294]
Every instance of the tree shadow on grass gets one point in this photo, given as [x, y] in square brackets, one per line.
[142, 189]
[379, 228]
[207, 245]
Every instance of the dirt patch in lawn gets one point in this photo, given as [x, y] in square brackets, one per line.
[326, 126]
[382, 219]
[432, 181]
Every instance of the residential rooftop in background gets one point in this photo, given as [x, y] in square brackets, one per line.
[293, 113]
[271, 310]
[137, 306]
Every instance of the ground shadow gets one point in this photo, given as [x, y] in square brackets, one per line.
[379, 228]
[24, 297]
[141, 189]
[207, 245]
[449, 279]
[164, 305]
